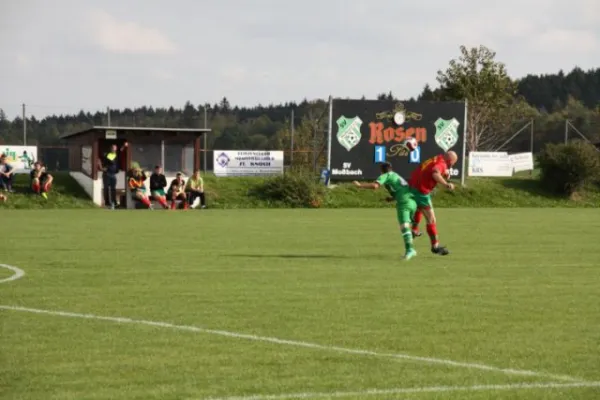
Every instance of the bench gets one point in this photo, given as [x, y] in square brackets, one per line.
[134, 205]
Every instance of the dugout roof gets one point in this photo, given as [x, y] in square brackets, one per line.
[165, 132]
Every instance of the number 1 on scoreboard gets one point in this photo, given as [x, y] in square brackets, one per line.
[379, 154]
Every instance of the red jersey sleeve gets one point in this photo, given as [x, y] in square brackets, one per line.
[440, 165]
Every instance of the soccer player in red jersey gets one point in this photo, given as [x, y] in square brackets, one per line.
[423, 180]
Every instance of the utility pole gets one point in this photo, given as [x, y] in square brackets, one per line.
[292, 140]
[108, 114]
[205, 140]
[24, 126]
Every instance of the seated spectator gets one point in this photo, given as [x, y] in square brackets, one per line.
[195, 189]
[158, 182]
[177, 191]
[137, 187]
[6, 174]
[41, 181]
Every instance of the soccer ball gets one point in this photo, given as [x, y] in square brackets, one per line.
[411, 143]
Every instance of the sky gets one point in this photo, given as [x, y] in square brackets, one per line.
[62, 56]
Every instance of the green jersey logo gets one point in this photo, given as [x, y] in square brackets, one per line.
[348, 134]
[446, 133]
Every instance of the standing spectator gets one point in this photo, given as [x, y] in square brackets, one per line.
[177, 191]
[195, 189]
[110, 168]
[40, 180]
[6, 174]
[158, 183]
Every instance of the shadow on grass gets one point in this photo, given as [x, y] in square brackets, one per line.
[292, 256]
[529, 185]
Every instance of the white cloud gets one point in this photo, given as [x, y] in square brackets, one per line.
[23, 61]
[234, 73]
[272, 51]
[564, 40]
[161, 75]
[591, 11]
[128, 37]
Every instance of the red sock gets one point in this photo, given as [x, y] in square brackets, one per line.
[433, 234]
[47, 187]
[36, 187]
[163, 202]
[146, 202]
[173, 204]
[185, 206]
[417, 220]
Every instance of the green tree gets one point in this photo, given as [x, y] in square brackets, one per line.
[484, 82]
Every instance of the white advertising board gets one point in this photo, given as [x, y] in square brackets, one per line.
[21, 158]
[487, 163]
[521, 162]
[247, 162]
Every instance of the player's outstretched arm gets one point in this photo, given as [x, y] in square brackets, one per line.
[372, 185]
[437, 176]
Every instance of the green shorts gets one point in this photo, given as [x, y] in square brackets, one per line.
[158, 193]
[422, 200]
[136, 191]
[406, 212]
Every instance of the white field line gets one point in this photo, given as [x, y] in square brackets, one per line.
[400, 391]
[266, 339]
[18, 273]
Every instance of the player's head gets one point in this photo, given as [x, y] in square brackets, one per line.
[386, 167]
[450, 158]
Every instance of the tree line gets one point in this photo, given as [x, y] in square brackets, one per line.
[498, 107]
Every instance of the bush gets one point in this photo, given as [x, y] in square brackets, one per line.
[296, 189]
[567, 168]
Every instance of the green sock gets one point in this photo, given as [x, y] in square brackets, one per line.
[408, 238]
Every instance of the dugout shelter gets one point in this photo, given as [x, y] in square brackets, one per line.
[175, 149]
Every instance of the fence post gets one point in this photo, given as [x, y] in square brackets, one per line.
[531, 144]
[329, 130]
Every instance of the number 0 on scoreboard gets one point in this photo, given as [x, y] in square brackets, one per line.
[379, 154]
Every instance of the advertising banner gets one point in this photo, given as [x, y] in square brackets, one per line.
[487, 163]
[368, 132]
[247, 163]
[20, 157]
[521, 162]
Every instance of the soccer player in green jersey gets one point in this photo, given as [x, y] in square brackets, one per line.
[406, 206]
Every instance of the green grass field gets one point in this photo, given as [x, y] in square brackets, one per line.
[307, 304]
[522, 190]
